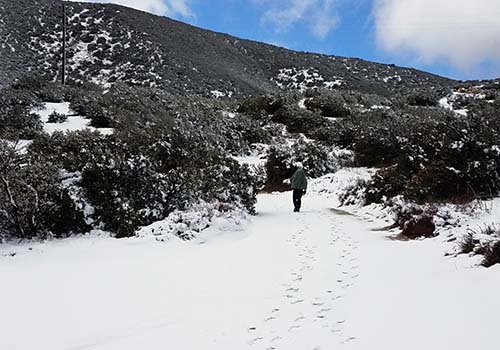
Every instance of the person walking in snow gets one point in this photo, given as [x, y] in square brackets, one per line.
[299, 186]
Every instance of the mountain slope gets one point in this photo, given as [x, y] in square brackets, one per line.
[109, 43]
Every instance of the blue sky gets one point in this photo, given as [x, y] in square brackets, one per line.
[454, 38]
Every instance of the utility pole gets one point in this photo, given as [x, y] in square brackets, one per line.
[64, 35]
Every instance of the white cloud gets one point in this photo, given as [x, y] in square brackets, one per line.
[463, 32]
[319, 15]
[172, 8]
[180, 7]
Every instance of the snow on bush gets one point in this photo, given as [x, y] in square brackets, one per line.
[70, 182]
[415, 221]
[303, 79]
[189, 223]
[167, 154]
[340, 183]
[32, 201]
[16, 118]
[484, 241]
[56, 117]
[318, 160]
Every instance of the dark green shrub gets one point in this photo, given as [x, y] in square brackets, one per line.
[40, 87]
[492, 254]
[354, 194]
[468, 243]
[328, 104]
[415, 221]
[279, 167]
[486, 242]
[299, 120]
[385, 184]
[32, 202]
[437, 156]
[261, 106]
[16, 118]
[373, 136]
[316, 159]
[55, 117]
[424, 99]
[127, 192]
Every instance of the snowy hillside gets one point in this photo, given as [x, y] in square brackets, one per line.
[109, 43]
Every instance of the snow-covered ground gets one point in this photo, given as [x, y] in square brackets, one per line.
[320, 279]
[21, 146]
[257, 157]
[74, 123]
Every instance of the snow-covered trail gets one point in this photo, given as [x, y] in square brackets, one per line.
[314, 280]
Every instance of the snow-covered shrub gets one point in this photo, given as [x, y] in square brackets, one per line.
[415, 221]
[311, 124]
[492, 254]
[16, 119]
[317, 160]
[142, 173]
[207, 120]
[354, 194]
[40, 87]
[123, 187]
[285, 110]
[32, 202]
[126, 192]
[485, 241]
[424, 98]
[322, 115]
[71, 151]
[372, 135]
[189, 223]
[247, 130]
[468, 243]
[386, 183]
[261, 106]
[84, 99]
[107, 108]
[228, 181]
[299, 120]
[55, 117]
[440, 157]
[330, 104]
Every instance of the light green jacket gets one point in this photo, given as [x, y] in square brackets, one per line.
[299, 181]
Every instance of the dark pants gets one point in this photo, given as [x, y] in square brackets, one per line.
[297, 199]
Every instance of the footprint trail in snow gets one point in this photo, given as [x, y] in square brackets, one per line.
[320, 275]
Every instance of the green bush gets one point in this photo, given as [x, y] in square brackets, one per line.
[261, 106]
[492, 254]
[431, 155]
[140, 175]
[40, 87]
[415, 221]
[55, 117]
[486, 242]
[32, 202]
[316, 159]
[16, 119]
[328, 104]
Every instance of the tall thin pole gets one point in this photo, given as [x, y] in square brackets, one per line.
[64, 25]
